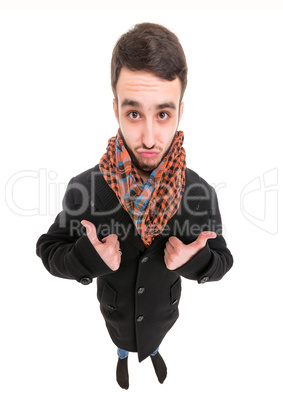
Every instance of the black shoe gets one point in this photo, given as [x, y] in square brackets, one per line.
[122, 374]
[159, 367]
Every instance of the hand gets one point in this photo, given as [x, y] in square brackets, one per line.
[108, 249]
[176, 253]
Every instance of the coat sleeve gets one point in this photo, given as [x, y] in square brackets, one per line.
[215, 259]
[65, 249]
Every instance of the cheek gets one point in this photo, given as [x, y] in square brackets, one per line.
[131, 132]
[131, 136]
[166, 138]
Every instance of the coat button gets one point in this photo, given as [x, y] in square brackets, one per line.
[141, 291]
[204, 279]
[85, 280]
[144, 260]
[140, 318]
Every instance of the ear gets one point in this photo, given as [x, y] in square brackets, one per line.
[181, 111]
[115, 108]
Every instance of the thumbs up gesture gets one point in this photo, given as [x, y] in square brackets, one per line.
[108, 248]
[176, 253]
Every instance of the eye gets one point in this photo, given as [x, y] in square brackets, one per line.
[133, 115]
[163, 115]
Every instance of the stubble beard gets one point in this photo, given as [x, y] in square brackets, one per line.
[139, 164]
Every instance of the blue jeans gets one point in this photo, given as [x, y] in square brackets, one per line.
[124, 353]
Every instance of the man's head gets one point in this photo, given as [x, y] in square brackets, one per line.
[148, 77]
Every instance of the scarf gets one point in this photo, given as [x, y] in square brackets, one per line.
[151, 204]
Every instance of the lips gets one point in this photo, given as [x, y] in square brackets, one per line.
[148, 154]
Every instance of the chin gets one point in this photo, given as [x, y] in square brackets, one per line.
[147, 167]
[144, 165]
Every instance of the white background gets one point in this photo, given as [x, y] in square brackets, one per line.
[56, 118]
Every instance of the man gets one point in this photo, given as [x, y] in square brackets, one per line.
[140, 219]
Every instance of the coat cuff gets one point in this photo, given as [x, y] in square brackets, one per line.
[196, 267]
[84, 263]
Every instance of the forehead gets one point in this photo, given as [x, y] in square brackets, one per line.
[144, 86]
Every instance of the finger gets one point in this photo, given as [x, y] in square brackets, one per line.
[91, 231]
[166, 257]
[169, 248]
[167, 254]
[111, 239]
[204, 236]
[116, 245]
[208, 234]
[174, 241]
[175, 246]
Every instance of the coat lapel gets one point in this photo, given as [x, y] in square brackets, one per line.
[106, 202]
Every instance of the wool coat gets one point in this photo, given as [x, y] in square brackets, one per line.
[140, 300]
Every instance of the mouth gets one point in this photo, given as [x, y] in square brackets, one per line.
[148, 154]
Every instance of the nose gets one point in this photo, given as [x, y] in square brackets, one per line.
[148, 139]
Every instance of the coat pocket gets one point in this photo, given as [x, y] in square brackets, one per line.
[175, 293]
[108, 298]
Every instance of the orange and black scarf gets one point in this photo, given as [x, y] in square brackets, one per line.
[150, 204]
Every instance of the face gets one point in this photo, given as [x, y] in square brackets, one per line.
[148, 115]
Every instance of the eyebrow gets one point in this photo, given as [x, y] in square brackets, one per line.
[129, 102]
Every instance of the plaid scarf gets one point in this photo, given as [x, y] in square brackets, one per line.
[150, 204]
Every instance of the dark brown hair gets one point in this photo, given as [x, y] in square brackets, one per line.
[150, 47]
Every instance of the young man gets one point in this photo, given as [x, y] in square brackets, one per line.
[140, 219]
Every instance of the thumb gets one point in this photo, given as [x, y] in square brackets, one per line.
[91, 231]
[204, 236]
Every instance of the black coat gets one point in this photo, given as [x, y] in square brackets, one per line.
[139, 301]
